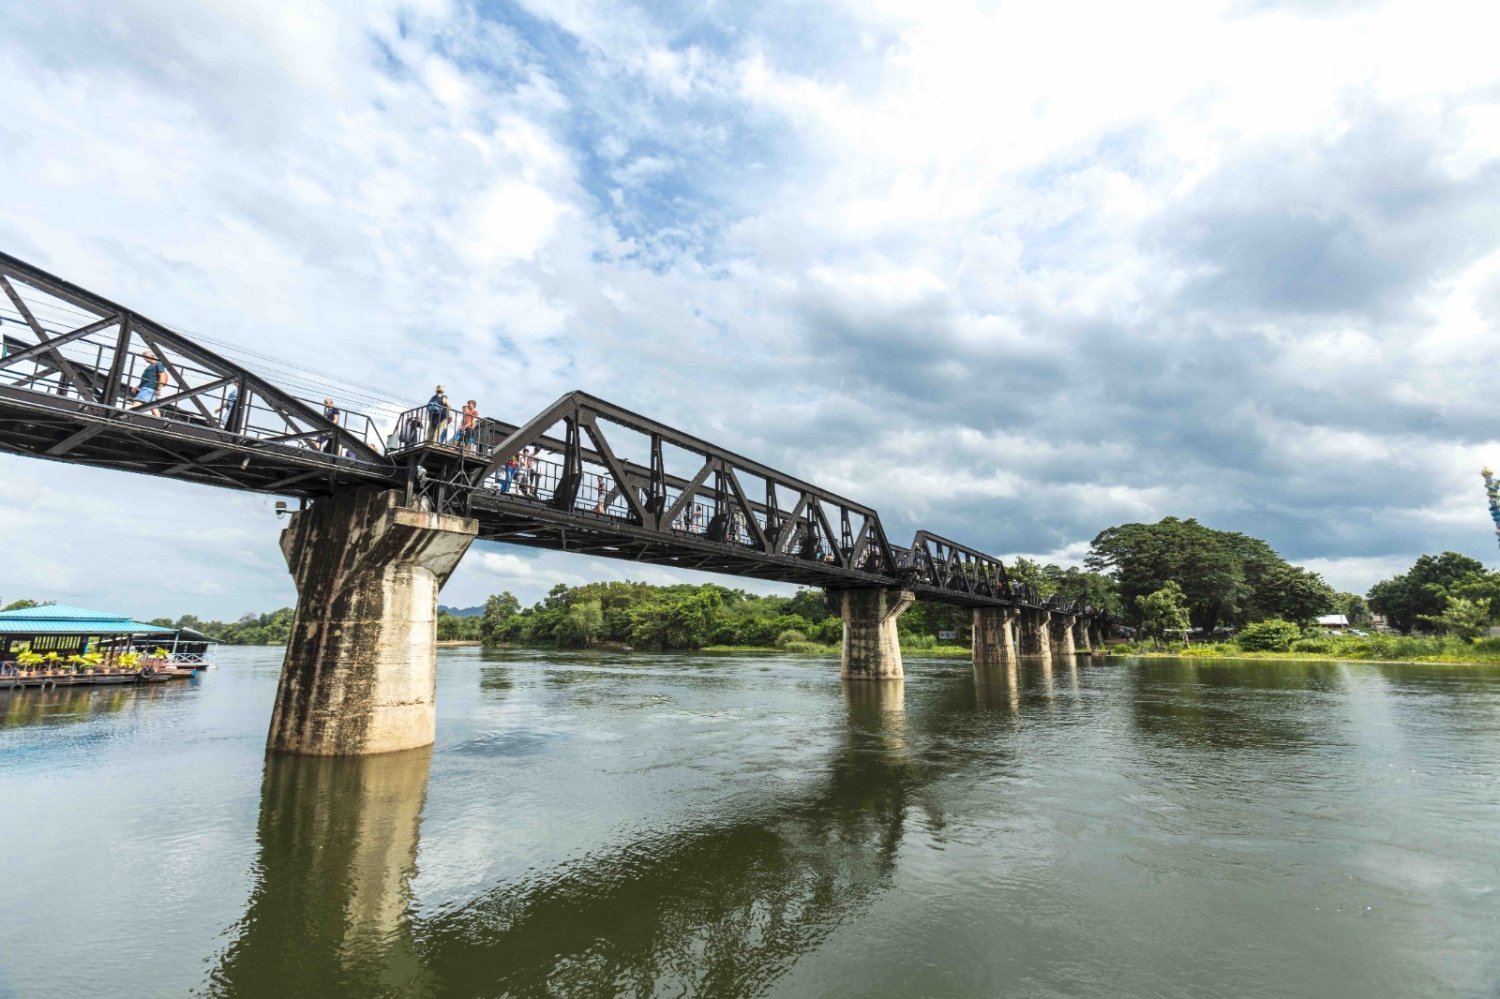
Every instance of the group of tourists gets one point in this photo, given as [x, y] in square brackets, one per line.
[440, 421]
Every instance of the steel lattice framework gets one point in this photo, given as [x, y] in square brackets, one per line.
[583, 475]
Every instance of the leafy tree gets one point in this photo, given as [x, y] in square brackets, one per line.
[1421, 593]
[499, 623]
[452, 628]
[1227, 577]
[22, 604]
[1164, 613]
[1024, 570]
[582, 625]
[1293, 593]
[1093, 589]
[1462, 618]
[677, 624]
[1353, 607]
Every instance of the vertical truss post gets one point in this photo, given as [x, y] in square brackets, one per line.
[566, 494]
[656, 495]
[718, 523]
[773, 518]
[117, 364]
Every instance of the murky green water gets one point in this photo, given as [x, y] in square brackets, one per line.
[599, 824]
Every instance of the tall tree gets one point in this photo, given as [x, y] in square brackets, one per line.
[1164, 614]
[1421, 593]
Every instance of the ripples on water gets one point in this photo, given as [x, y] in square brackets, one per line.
[594, 824]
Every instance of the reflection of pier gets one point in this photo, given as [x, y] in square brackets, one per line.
[338, 847]
[721, 909]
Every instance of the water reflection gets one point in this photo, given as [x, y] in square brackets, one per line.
[67, 705]
[721, 909]
[997, 687]
[337, 851]
[1184, 701]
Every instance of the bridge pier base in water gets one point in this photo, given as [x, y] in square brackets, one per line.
[1060, 635]
[872, 647]
[994, 635]
[1034, 627]
[1082, 642]
[360, 672]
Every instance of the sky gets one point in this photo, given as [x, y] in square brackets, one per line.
[1013, 273]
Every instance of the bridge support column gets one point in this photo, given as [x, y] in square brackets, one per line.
[872, 648]
[1034, 627]
[360, 673]
[1061, 635]
[994, 635]
[1081, 639]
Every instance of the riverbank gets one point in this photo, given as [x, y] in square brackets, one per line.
[1375, 648]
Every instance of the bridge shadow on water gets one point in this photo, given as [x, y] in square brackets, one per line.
[721, 908]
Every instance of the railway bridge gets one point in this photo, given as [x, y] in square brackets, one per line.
[386, 509]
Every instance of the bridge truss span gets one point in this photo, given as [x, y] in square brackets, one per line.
[583, 476]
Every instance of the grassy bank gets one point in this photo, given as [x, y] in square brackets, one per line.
[1373, 648]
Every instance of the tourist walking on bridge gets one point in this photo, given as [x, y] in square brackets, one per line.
[331, 414]
[153, 382]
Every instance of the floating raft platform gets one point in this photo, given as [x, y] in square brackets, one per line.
[44, 681]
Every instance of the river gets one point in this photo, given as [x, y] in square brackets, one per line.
[602, 823]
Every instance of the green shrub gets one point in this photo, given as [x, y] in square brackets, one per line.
[1318, 645]
[1201, 652]
[1270, 635]
[918, 641]
[789, 638]
[830, 631]
[804, 647]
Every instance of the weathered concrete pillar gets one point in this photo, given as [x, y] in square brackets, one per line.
[1034, 627]
[1061, 635]
[1101, 632]
[872, 648]
[360, 673]
[994, 635]
[1081, 640]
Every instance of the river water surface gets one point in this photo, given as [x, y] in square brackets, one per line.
[597, 824]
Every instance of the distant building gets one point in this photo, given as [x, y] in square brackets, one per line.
[1333, 622]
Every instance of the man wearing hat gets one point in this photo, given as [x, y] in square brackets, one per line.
[153, 380]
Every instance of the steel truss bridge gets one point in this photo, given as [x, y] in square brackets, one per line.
[582, 476]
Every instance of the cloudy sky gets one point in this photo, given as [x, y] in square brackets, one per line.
[1011, 272]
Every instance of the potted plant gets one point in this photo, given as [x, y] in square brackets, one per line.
[130, 661]
[27, 662]
[51, 661]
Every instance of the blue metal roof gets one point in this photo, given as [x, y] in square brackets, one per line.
[60, 619]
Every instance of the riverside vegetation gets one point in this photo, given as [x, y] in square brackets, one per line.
[1166, 581]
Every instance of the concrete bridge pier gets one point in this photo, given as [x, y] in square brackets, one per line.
[1035, 625]
[1060, 635]
[1081, 640]
[994, 635]
[872, 647]
[360, 673]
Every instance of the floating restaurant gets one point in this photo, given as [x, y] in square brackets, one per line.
[54, 645]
